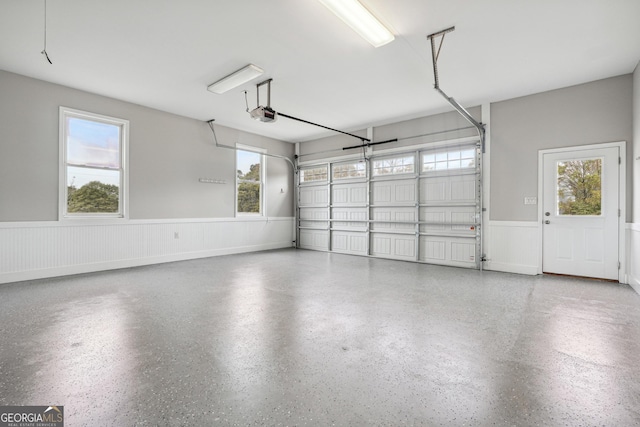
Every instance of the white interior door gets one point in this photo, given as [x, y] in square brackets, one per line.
[581, 213]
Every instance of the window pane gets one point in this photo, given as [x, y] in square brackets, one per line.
[579, 187]
[453, 164]
[92, 143]
[453, 155]
[469, 163]
[441, 166]
[454, 159]
[315, 174]
[468, 154]
[441, 157]
[92, 190]
[393, 166]
[428, 158]
[428, 167]
[249, 197]
[249, 182]
[349, 170]
[249, 166]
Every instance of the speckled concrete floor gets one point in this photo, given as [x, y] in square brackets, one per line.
[308, 338]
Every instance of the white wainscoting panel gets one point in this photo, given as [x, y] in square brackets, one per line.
[48, 249]
[512, 246]
[633, 255]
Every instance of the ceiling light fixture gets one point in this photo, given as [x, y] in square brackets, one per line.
[235, 79]
[355, 15]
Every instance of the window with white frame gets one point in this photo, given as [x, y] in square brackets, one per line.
[394, 165]
[349, 170]
[93, 155]
[449, 159]
[318, 173]
[249, 181]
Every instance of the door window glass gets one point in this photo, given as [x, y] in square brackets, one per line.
[579, 187]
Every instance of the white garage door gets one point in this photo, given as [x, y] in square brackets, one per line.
[421, 206]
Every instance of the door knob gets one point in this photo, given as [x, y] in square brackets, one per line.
[547, 213]
[547, 222]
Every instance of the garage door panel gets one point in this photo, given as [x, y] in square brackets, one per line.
[314, 218]
[394, 246]
[314, 239]
[432, 190]
[433, 250]
[437, 217]
[456, 220]
[349, 194]
[448, 189]
[393, 192]
[314, 213]
[354, 218]
[404, 214]
[454, 251]
[313, 196]
[349, 242]
[463, 190]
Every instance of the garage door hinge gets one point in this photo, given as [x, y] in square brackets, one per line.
[619, 213]
[618, 265]
[619, 160]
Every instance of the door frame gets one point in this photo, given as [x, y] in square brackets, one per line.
[622, 201]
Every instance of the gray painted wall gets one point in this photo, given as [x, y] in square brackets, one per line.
[438, 127]
[167, 155]
[590, 113]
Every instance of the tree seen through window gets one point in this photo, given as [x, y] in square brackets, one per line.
[580, 187]
[249, 182]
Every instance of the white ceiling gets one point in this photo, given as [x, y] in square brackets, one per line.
[164, 53]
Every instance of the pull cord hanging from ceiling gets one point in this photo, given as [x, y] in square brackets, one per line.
[44, 50]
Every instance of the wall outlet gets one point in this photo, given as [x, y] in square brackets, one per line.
[530, 200]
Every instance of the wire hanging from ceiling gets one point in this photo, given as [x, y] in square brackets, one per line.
[44, 51]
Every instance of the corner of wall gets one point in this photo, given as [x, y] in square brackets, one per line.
[636, 146]
[633, 229]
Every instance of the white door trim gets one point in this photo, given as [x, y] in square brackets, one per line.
[622, 188]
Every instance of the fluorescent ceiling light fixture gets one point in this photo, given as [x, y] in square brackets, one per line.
[241, 76]
[355, 15]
